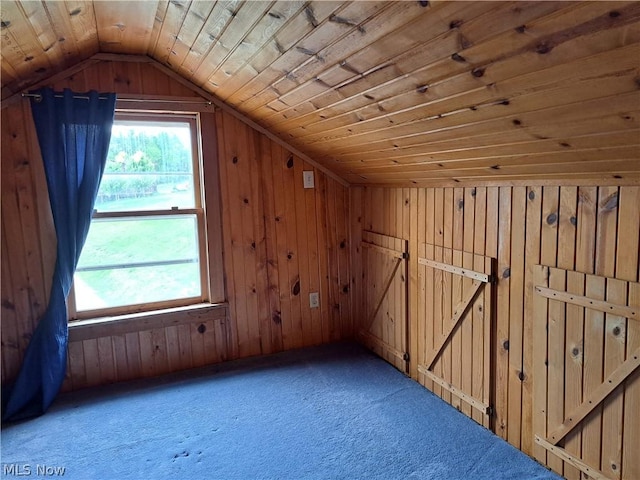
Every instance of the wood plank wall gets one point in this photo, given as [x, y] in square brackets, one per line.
[591, 229]
[280, 243]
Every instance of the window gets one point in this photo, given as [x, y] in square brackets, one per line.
[146, 248]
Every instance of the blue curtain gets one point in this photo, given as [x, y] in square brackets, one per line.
[73, 132]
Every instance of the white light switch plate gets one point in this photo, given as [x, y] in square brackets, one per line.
[307, 179]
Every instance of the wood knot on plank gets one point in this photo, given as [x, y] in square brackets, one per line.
[458, 58]
[277, 319]
[5, 23]
[584, 197]
[202, 328]
[8, 305]
[478, 72]
[461, 204]
[423, 3]
[296, 288]
[306, 51]
[520, 29]
[311, 16]
[574, 221]
[610, 203]
[290, 162]
[532, 195]
[544, 47]
[464, 42]
[506, 273]
[505, 345]
[552, 218]
[455, 24]
[345, 21]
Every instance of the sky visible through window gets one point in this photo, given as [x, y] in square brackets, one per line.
[180, 130]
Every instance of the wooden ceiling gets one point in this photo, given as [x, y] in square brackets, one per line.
[384, 93]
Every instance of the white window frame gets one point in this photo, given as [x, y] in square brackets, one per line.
[193, 119]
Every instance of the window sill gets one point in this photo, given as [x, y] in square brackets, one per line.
[136, 322]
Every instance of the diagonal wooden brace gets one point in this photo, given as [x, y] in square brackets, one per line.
[597, 396]
[461, 309]
[592, 473]
[384, 293]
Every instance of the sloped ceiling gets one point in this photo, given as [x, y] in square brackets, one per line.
[411, 92]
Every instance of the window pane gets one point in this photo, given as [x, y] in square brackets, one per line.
[148, 258]
[149, 167]
[131, 286]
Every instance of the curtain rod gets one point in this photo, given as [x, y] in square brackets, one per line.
[84, 97]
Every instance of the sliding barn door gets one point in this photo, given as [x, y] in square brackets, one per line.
[454, 328]
[384, 326]
[586, 417]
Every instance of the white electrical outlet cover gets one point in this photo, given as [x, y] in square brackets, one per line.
[314, 300]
